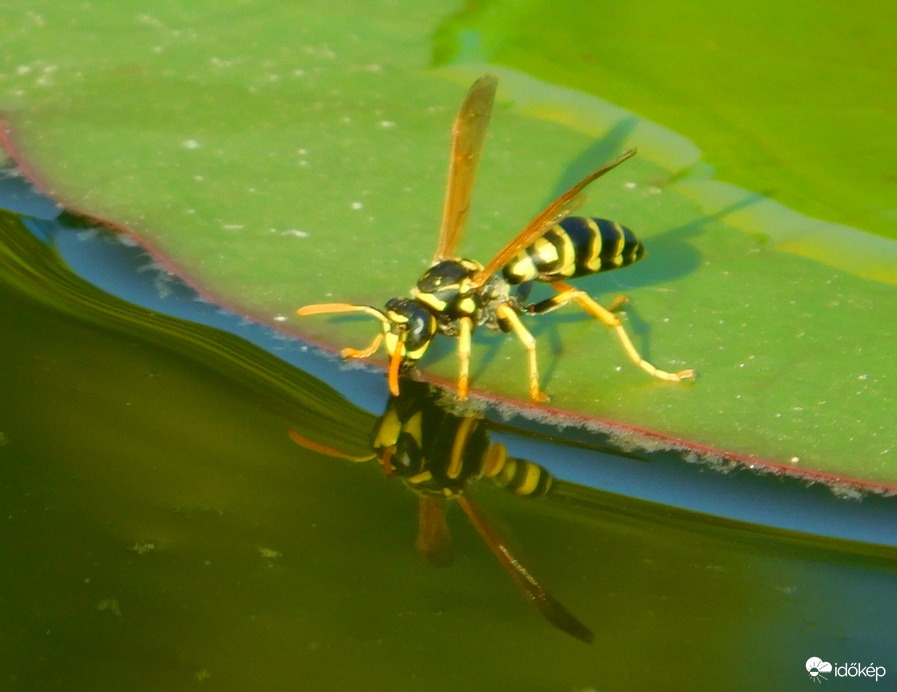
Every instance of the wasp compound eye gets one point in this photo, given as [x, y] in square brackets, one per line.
[417, 322]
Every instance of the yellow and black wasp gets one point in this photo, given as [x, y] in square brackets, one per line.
[438, 455]
[456, 295]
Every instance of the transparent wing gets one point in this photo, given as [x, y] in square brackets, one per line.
[555, 212]
[468, 135]
[551, 609]
[434, 540]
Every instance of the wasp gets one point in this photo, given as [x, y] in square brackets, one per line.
[438, 455]
[456, 295]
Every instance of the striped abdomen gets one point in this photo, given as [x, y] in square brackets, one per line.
[577, 246]
[520, 476]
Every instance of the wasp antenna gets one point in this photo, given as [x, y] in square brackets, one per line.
[331, 308]
[327, 450]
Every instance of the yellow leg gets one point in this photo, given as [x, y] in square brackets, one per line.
[465, 325]
[566, 293]
[529, 343]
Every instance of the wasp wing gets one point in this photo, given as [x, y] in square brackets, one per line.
[554, 213]
[468, 135]
[434, 540]
[548, 605]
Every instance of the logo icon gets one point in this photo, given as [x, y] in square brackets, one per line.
[816, 667]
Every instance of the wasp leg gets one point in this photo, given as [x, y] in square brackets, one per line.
[465, 327]
[567, 293]
[560, 300]
[507, 313]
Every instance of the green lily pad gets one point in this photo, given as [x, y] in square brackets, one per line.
[781, 100]
[277, 157]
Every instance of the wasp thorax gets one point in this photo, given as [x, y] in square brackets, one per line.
[447, 287]
[411, 325]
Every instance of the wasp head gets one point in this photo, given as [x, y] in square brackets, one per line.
[410, 329]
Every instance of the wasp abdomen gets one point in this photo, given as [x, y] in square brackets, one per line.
[520, 476]
[577, 246]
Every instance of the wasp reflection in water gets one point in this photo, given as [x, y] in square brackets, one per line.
[438, 454]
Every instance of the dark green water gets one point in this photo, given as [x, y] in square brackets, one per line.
[160, 531]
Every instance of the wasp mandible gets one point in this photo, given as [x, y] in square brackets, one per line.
[456, 295]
